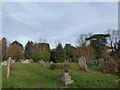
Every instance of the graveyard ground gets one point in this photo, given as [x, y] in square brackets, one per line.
[33, 75]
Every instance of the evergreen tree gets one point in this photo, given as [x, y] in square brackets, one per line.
[69, 50]
[98, 41]
[4, 48]
[52, 56]
[59, 53]
[29, 49]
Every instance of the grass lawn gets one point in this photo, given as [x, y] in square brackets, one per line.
[33, 75]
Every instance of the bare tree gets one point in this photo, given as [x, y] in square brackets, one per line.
[15, 50]
[113, 40]
[81, 39]
[87, 52]
[114, 37]
[42, 40]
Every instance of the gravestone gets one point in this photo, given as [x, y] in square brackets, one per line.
[5, 63]
[30, 60]
[51, 62]
[66, 78]
[25, 61]
[101, 62]
[8, 67]
[39, 62]
[82, 64]
[12, 61]
[42, 63]
[94, 62]
[66, 68]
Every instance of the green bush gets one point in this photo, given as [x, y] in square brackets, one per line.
[60, 53]
[41, 56]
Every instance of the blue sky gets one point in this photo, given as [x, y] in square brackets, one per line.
[55, 21]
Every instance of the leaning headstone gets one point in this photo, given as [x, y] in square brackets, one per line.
[66, 78]
[8, 67]
[82, 64]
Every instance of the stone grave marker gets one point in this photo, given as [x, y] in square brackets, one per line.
[66, 68]
[25, 61]
[5, 63]
[42, 63]
[8, 67]
[82, 64]
[51, 62]
[66, 78]
[101, 62]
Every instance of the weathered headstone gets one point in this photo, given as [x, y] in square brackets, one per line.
[13, 61]
[94, 62]
[42, 63]
[8, 67]
[5, 63]
[25, 61]
[39, 62]
[51, 62]
[101, 62]
[66, 68]
[65, 78]
[82, 64]
[30, 60]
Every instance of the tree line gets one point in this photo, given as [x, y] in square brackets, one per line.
[91, 46]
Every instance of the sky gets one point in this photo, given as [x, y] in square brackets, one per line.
[56, 21]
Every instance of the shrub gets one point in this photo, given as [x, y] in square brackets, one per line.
[41, 55]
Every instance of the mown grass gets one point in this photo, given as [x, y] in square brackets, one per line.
[34, 75]
[0, 77]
